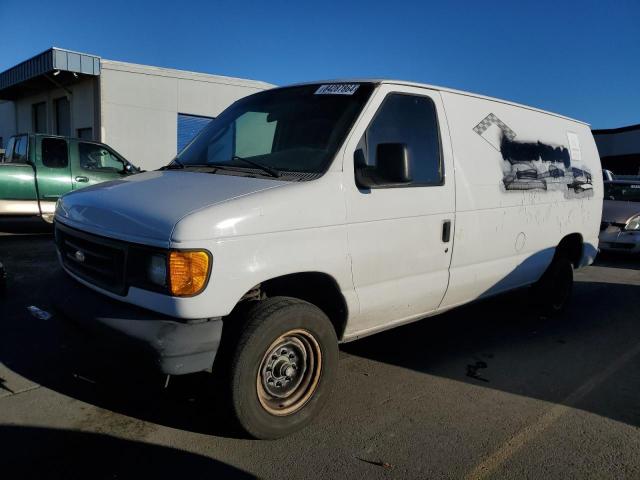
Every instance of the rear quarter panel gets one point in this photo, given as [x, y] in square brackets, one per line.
[506, 233]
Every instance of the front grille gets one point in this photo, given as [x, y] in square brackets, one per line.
[98, 260]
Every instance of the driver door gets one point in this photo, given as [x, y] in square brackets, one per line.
[94, 163]
[400, 238]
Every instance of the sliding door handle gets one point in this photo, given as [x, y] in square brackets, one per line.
[82, 179]
[446, 231]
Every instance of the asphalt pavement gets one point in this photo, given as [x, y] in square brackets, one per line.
[486, 391]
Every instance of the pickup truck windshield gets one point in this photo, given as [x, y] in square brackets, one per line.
[291, 131]
[623, 192]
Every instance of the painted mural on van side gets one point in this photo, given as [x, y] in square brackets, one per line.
[535, 165]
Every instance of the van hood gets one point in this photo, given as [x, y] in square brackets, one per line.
[144, 208]
[614, 211]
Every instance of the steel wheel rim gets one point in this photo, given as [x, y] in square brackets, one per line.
[289, 372]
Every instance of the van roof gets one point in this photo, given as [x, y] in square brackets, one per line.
[435, 87]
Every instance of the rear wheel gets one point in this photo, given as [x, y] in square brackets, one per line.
[283, 366]
[553, 291]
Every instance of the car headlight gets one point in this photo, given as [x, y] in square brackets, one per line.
[188, 272]
[157, 269]
[633, 224]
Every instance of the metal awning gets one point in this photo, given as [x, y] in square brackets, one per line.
[55, 66]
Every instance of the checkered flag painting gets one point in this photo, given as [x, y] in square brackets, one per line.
[491, 128]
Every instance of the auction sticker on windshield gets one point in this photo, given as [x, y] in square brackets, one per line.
[337, 89]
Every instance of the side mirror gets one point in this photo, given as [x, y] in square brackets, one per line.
[392, 167]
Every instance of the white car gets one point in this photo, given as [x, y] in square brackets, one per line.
[620, 226]
[314, 214]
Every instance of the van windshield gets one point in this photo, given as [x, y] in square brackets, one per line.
[623, 192]
[291, 132]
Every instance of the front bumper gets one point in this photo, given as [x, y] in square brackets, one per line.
[175, 346]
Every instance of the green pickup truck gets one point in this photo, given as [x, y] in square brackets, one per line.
[37, 169]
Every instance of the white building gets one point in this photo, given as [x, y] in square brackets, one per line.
[146, 113]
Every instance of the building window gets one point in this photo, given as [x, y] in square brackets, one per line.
[85, 133]
[188, 127]
[39, 117]
[63, 116]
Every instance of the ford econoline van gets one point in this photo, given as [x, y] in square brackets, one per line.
[315, 214]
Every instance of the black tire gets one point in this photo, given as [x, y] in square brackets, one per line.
[282, 367]
[553, 291]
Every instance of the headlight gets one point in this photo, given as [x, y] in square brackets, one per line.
[157, 269]
[188, 272]
[633, 224]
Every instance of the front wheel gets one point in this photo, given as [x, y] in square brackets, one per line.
[283, 366]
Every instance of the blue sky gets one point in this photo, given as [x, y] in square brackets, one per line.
[581, 59]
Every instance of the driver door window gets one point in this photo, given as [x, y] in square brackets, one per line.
[97, 158]
[410, 120]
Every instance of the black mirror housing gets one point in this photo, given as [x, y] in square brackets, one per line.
[392, 168]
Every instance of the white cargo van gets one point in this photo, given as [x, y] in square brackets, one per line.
[315, 214]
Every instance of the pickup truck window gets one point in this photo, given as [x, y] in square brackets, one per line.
[290, 130]
[8, 153]
[19, 154]
[55, 153]
[409, 119]
[97, 158]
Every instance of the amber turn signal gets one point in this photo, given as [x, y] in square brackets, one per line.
[188, 272]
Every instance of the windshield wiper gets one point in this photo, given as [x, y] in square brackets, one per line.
[271, 171]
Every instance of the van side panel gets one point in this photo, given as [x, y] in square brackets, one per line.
[524, 180]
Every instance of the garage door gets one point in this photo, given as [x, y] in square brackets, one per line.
[188, 127]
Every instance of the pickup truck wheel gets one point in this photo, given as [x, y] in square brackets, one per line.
[553, 291]
[283, 367]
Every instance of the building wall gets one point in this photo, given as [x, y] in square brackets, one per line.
[81, 101]
[139, 107]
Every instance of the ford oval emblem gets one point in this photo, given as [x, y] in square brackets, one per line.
[79, 256]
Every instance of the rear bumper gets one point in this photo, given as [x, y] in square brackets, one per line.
[174, 345]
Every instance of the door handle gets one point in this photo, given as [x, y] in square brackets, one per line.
[82, 179]
[446, 231]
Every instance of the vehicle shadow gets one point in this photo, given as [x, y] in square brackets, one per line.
[618, 260]
[501, 343]
[35, 452]
[25, 226]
